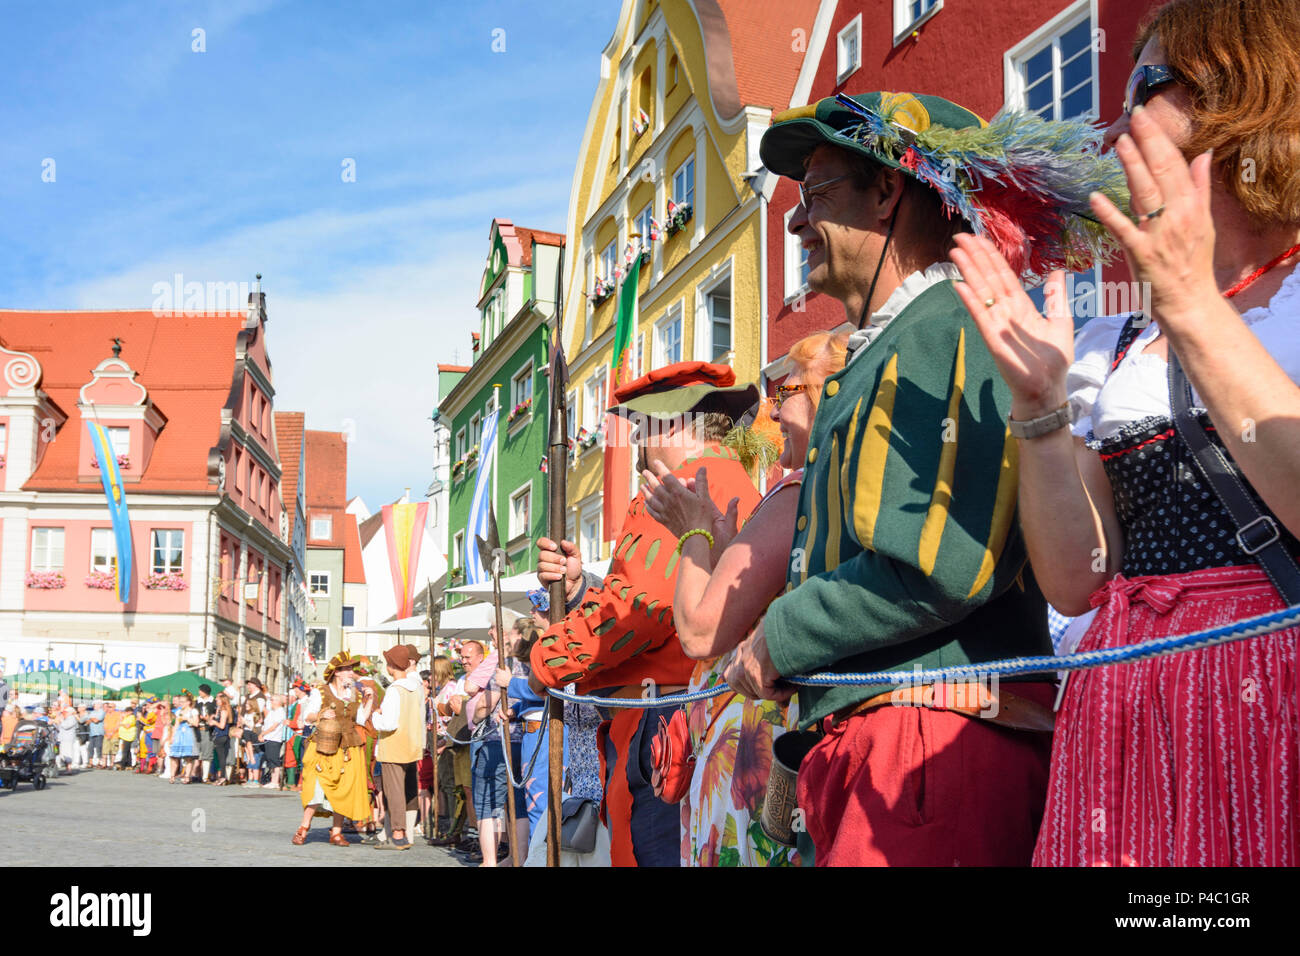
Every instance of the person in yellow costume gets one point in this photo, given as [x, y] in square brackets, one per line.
[335, 783]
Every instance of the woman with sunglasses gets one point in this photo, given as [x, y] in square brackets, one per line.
[723, 588]
[1187, 758]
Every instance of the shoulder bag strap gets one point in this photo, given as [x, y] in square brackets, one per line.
[1258, 534]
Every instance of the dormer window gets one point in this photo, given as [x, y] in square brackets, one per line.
[322, 529]
[121, 440]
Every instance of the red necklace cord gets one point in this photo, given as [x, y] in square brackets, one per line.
[1250, 279]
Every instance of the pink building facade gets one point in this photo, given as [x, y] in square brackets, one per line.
[187, 401]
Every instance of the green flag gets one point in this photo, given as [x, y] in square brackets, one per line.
[626, 327]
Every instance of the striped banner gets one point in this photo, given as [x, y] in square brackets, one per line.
[481, 503]
[404, 531]
[111, 476]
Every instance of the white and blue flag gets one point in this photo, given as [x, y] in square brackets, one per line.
[480, 505]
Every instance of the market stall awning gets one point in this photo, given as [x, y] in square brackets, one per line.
[53, 682]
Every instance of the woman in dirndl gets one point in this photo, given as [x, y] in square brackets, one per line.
[334, 763]
[1188, 758]
[183, 746]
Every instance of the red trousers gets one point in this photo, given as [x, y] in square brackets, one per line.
[914, 786]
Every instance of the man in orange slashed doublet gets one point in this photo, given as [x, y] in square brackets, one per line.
[619, 632]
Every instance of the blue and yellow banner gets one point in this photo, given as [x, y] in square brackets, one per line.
[111, 475]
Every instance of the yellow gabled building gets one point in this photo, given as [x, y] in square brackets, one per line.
[687, 88]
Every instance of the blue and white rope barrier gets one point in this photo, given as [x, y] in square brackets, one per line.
[1173, 644]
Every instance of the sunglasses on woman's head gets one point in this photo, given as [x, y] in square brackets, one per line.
[1144, 83]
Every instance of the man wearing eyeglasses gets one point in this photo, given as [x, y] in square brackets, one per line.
[907, 553]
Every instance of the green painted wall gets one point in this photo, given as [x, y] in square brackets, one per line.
[519, 451]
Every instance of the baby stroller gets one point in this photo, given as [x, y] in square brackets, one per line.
[26, 757]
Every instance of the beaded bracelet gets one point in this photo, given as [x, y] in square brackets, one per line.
[682, 540]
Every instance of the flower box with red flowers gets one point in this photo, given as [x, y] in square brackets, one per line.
[678, 216]
[46, 580]
[101, 580]
[602, 290]
[166, 582]
[519, 411]
[123, 461]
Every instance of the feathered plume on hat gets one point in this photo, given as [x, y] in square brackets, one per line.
[1022, 181]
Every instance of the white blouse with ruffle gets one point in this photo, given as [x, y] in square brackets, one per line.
[1102, 401]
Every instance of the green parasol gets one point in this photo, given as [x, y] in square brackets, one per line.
[169, 685]
[53, 682]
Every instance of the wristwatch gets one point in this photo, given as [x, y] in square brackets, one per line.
[1043, 425]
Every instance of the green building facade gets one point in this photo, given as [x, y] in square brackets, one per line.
[516, 310]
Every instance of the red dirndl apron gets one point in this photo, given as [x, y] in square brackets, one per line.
[1186, 759]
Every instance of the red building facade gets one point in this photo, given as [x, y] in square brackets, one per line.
[1060, 58]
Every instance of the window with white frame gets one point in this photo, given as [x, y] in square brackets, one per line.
[460, 444]
[718, 304]
[322, 529]
[684, 183]
[103, 549]
[571, 413]
[120, 438]
[521, 511]
[848, 47]
[590, 543]
[910, 14]
[640, 355]
[458, 550]
[318, 583]
[168, 550]
[475, 429]
[642, 225]
[608, 262]
[796, 261]
[593, 405]
[47, 549]
[494, 316]
[4, 439]
[668, 339]
[521, 387]
[1053, 72]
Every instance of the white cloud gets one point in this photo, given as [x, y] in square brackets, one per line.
[361, 308]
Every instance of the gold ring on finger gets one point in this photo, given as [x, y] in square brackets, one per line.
[1153, 214]
[990, 302]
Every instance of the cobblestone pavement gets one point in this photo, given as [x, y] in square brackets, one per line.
[113, 818]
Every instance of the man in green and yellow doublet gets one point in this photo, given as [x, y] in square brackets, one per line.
[907, 553]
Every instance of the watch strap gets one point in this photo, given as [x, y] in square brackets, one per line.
[1043, 425]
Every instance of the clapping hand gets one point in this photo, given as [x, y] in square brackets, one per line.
[679, 506]
[1171, 246]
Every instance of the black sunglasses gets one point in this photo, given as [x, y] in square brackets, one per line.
[1143, 84]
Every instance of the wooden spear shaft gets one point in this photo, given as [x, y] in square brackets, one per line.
[502, 703]
[557, 468]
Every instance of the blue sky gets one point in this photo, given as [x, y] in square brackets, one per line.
[228, 162]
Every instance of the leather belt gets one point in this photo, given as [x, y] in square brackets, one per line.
[1004, 708]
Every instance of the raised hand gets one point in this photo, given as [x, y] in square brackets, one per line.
[1032, 351]
[1171, 246]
